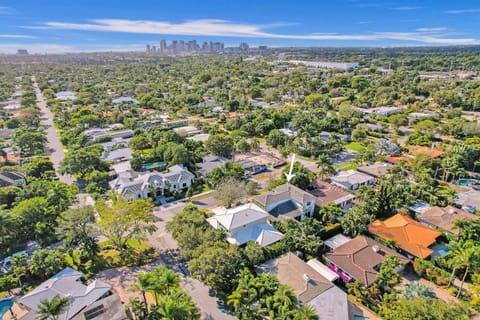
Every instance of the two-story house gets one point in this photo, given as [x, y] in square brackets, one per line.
[245, 223]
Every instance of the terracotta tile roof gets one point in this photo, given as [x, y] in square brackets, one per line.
[434, 153]
[360, 256]
[326, 192]
[409, 235]
[444, 218]
[10, 158]
[395, 159]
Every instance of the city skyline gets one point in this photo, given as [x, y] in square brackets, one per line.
[111, 26]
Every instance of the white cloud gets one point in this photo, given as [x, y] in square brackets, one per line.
[35, 47]
[407, 8]
[431, 29]
[16, 36]
[460, 11]
[223, 28]
[7, 10]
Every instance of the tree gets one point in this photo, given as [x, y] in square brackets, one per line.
[217, 264]
[388, 275]
[355, 221]
[254, 253]
[39, 167]
[80, 162]
[51, 309]
[302, 177]
[229, 189]
[303, 236]
[325, 166]
[125, 220]
[423, 308]
[75, 225]
[415, 290]
[44, 263]
[159, 281]
[29, 142]
[329, 212]
[220, 145]
[305, 312]
[175, 306]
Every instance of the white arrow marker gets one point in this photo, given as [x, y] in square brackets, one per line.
[289, 175]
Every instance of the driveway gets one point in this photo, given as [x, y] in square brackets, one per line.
[54, 147]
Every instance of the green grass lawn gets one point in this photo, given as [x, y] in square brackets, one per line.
[355, 146]
[348, 165]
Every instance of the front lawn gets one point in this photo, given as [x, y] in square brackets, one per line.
[355, 146]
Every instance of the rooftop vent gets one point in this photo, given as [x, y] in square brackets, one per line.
[375, 248]
[452, 211]
[306, 277]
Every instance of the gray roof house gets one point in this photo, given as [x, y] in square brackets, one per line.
[310, 287]
[287, 201]
[210, 162]
[178, 177]
[245, 223]
[87, 301]
[351, 179]
[12, 178]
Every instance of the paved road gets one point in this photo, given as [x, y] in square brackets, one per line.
[54, 147]
[210, 307]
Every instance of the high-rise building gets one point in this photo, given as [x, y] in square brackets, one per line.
[163, 46]
[148, 48]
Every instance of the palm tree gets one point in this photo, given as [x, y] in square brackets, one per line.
[159, 281]
[175, 306]
[325, 166]
[305, 312]
[51, 309]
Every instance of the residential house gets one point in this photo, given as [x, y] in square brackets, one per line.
[432, 152]
[325, 192]
[187, 130]
[117, 155]
[287, 201]
[351, 180]
[93, 134]
[411, 237]
[201, 137]
[310, 287]
[360, 259]
[444, 218]
[94, 300]
[210, 162]
[469, 200]
[65, 95]
[12, 178]
[153, 183]
[325, 135]
[125, 100]
[376, 169]
[245, 223]
[256, 162]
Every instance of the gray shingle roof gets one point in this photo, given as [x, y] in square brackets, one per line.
[282, 193]
[66, 283]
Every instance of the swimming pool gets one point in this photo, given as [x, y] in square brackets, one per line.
[153, 165]
[467, 182]
[4, 306]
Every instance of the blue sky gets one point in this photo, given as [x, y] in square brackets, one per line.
[44, 26]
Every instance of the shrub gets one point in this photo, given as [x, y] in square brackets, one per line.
[427, 270]
[330, 230]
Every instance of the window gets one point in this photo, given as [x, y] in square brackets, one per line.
[94, 312]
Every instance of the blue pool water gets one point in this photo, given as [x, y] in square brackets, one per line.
[4, 306]
[443, 251]
[153, 165]
[466, 182]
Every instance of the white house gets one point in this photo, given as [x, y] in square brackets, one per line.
[245, 223]
[351, 179]
[177, 178]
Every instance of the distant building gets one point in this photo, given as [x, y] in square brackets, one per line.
[12, 178]
[326, 64]
[22, 52]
